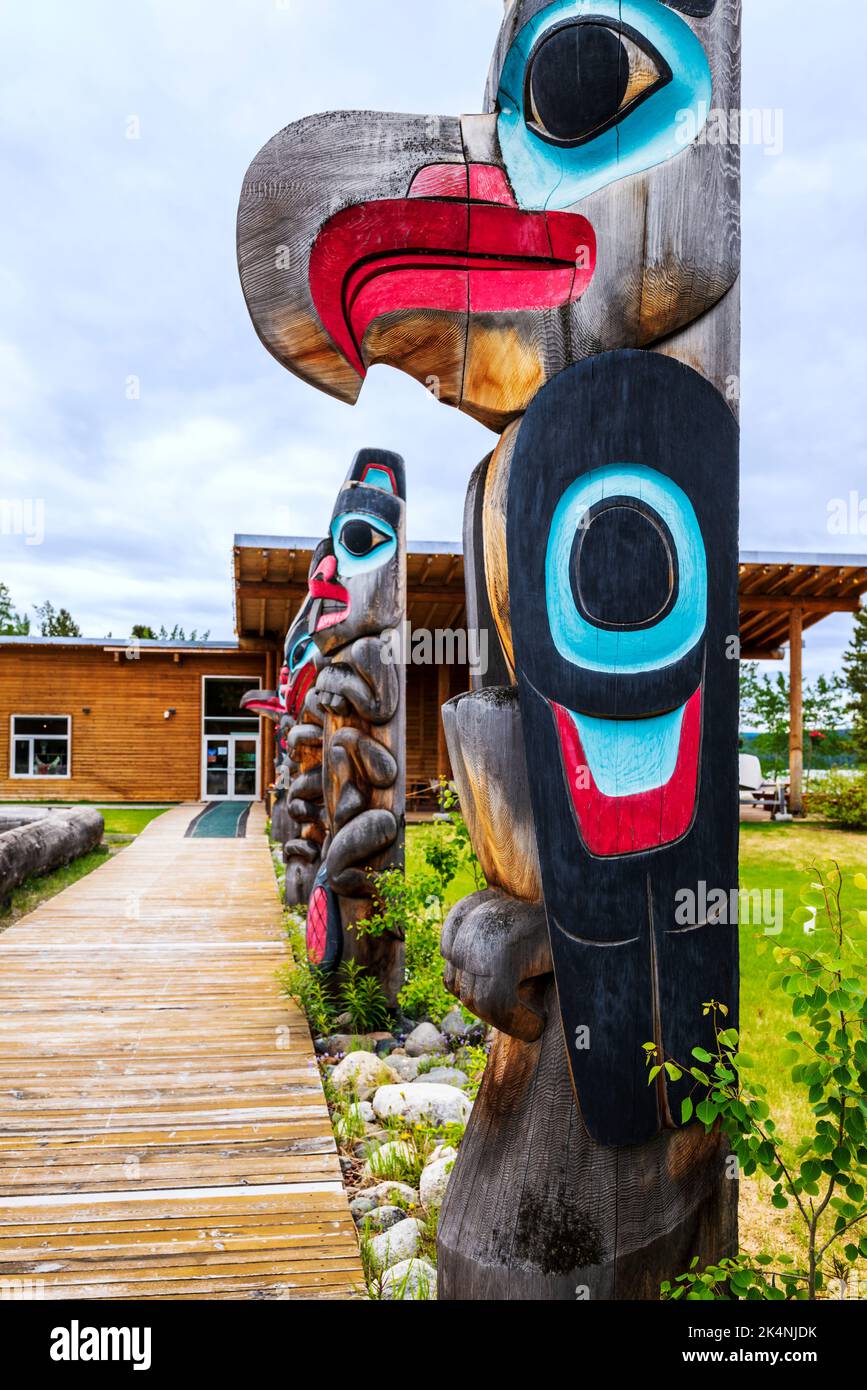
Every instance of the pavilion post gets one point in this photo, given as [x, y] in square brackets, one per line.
[796, 715]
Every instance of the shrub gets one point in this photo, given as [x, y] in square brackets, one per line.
[414, 907]
[841, 801]
[322, 998]
[823, 1178]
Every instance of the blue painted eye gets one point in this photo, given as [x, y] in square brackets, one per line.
[300, 653]
[584, 76]
[362, 542]
[670, 618]
[594, 90]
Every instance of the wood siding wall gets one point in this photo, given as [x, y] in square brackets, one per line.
[124, 750]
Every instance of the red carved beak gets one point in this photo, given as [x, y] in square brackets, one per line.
[458, 242]
[264, 702]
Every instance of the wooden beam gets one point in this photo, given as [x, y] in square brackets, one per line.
[796, 714]
[443, 695]
[260, 589]
[758, 603]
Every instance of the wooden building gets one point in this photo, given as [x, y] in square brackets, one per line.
[110, 721]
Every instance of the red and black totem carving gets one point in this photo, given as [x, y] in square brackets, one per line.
[357, 602]
[565, 264]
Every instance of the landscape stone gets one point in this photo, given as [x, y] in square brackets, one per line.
[432, 1104]
[444, 1076]
[425, 1040]
[411, 1279]
[363, 1073]
[398, 1244]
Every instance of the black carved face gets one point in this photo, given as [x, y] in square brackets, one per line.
[358, 587]
[621, 528]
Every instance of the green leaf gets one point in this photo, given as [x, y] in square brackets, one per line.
[707, 1112]
[861, 882]
[687, 1110]
[674, 1072]
[701, 1055]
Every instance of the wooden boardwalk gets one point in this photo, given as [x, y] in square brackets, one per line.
[163, 1131]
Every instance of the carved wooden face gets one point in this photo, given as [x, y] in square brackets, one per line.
[585, 210]
[299, 661]
[357, 584]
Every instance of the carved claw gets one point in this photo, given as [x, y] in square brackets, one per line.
[498, 958]
[354, 847]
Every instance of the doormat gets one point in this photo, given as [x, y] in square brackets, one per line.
[221, 820]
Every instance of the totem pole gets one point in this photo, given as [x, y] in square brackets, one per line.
[302, 851]
[297, 817]
[270, 704]
[566, 266]
[358, 602]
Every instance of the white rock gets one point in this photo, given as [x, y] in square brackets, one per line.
[443, 1076]
[441, 1151]
[386, 1160]
[393, 1193]
[406, 1067]
[435, 1180]
[346, 1127]
[393, 1246]
[362, 1072]
[436, 1105]
[411, 1279]
[424, 1041]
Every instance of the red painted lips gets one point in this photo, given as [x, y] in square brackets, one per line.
[332, 602]
[457, 243]
[296, 693]
[616, 825]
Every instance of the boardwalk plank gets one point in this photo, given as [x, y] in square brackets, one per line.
[163, 1131]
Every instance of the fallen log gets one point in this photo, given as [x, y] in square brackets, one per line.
[39, 845]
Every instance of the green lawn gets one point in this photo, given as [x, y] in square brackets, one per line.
[35, 891]
[122, 824]
[773, 858]
[121, 820]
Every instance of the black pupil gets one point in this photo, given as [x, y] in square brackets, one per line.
[579, 79]
[358, 537]
[622, 568]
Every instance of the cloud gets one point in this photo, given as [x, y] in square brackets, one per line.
[118, 259]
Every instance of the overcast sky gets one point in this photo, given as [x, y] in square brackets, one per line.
[117, 260]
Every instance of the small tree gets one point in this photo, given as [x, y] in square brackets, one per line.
[855, 664]
[56, 622]
[12, 624]
[145, 633]
[823, 1177]
[766, 705]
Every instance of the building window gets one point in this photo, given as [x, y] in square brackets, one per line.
[222, 705]
[40, 745]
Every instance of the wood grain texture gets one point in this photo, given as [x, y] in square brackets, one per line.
[535, 1211]
[163, 1132]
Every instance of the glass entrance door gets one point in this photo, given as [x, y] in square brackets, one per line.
[245, 767]
[231, 767]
